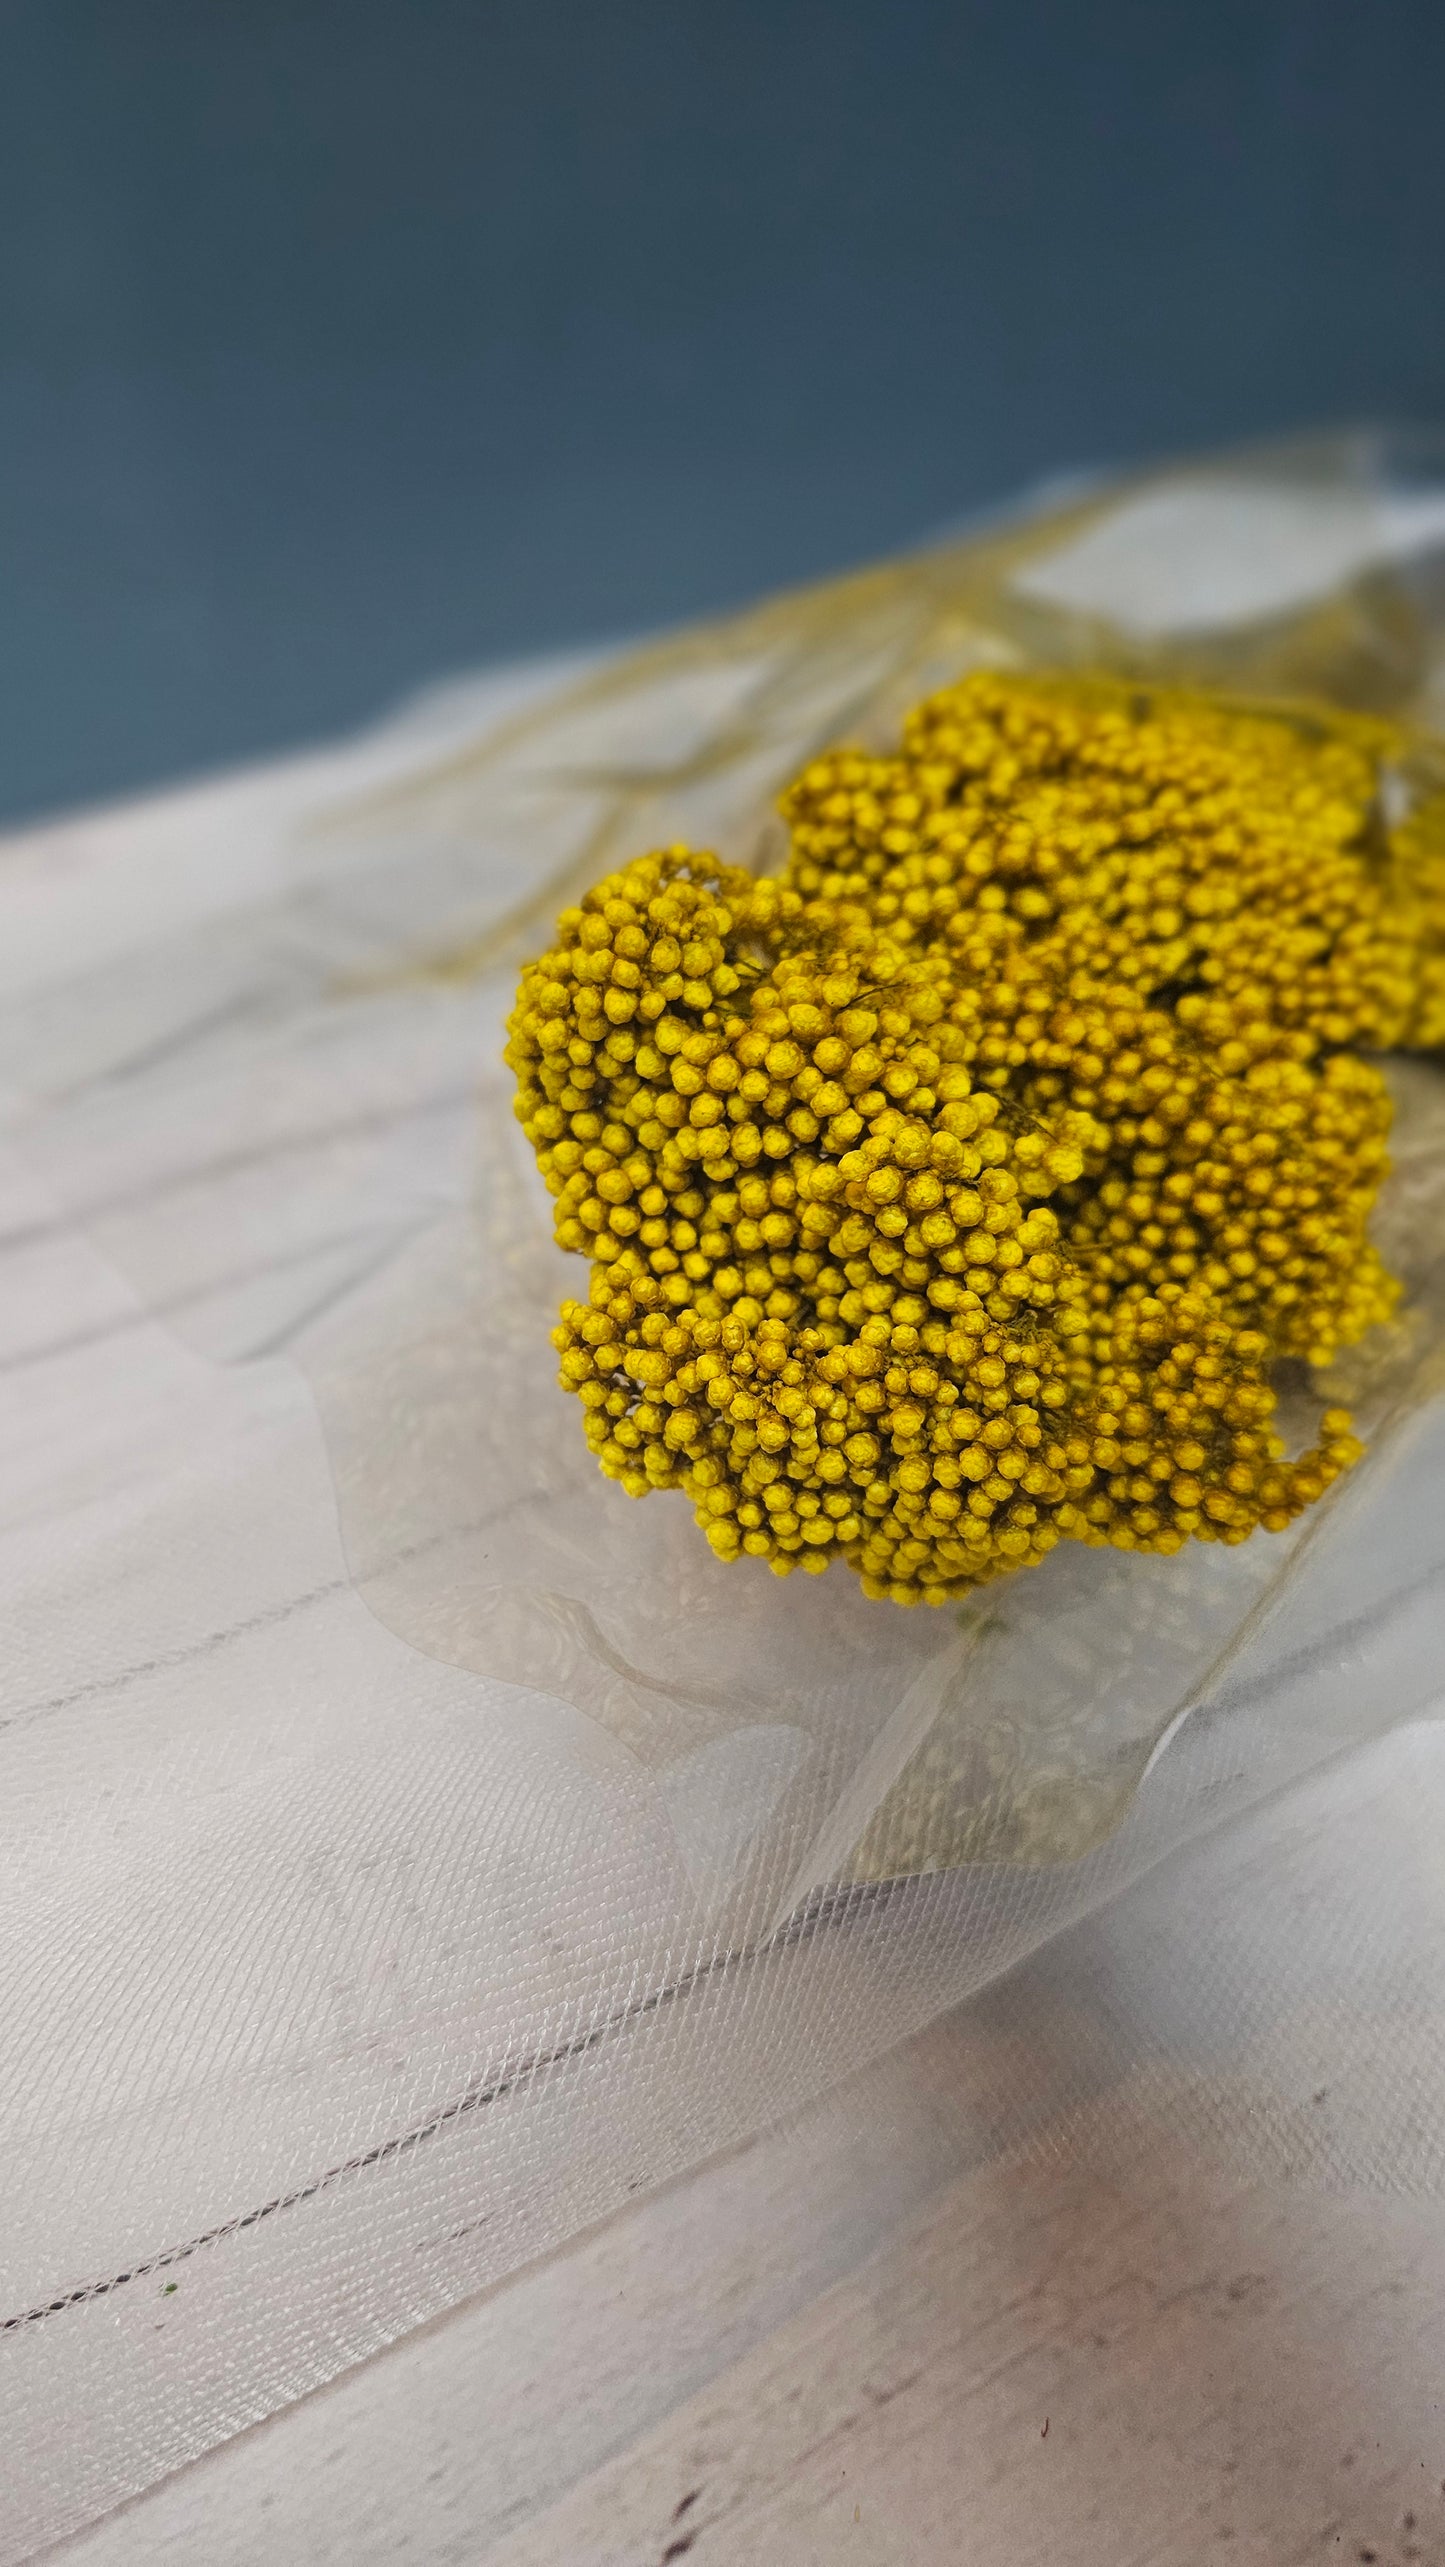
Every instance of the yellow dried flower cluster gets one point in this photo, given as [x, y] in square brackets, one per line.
[958, 1190]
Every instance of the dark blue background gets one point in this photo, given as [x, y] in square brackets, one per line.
[344, 342]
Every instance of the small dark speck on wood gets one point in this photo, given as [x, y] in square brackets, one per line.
[678, 2548]
[1044, 2434]
[685, 2503]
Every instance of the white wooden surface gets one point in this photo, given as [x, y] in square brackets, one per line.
[846, 2342]
[849, 2343]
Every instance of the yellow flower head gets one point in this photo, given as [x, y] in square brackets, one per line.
[957, 1191]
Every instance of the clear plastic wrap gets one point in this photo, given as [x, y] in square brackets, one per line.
[412, 1845]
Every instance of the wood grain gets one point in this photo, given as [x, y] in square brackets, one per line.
[1001, 2299]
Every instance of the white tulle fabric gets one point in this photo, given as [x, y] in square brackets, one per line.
[410, 1847]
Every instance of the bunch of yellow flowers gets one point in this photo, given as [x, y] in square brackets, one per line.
[957, 1190]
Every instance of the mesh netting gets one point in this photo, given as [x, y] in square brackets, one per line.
[412, 1848]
